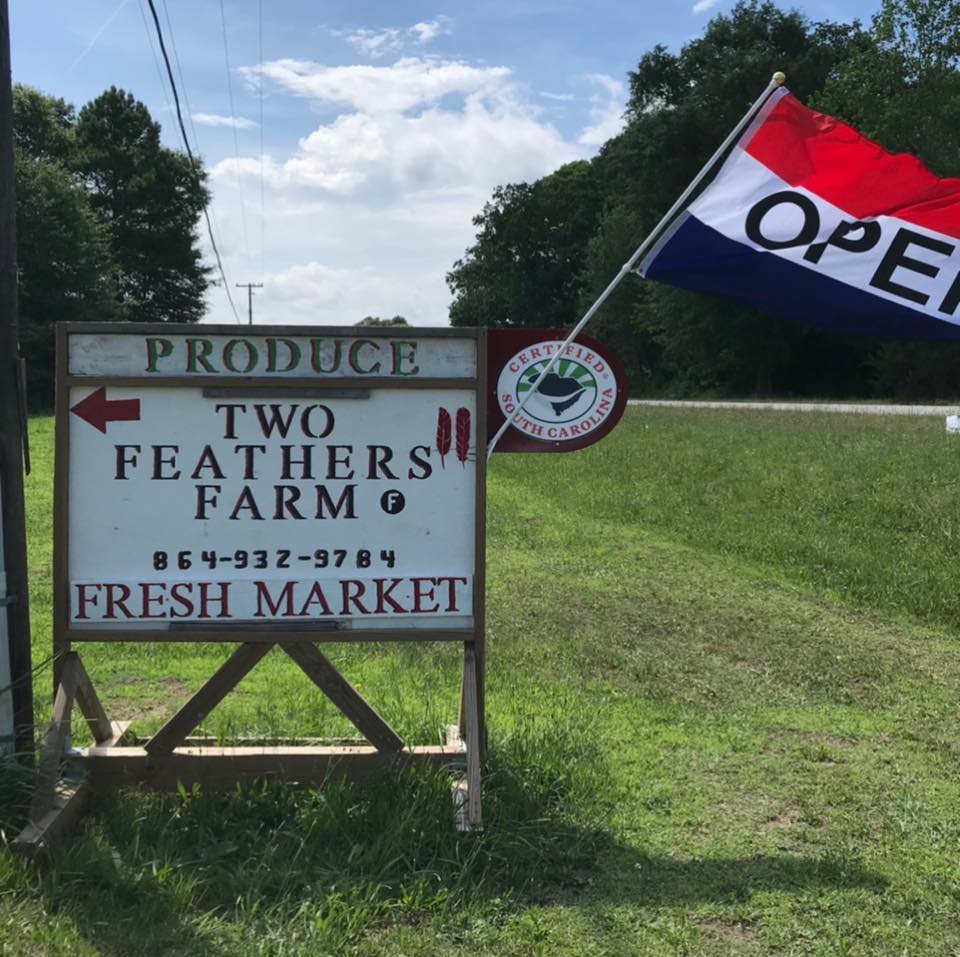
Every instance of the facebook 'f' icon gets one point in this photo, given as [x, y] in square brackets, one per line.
[392, 501]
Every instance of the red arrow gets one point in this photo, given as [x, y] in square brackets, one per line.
[98, 410]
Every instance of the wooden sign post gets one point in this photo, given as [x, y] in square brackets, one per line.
[263, 486]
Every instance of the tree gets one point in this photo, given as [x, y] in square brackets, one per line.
[377, 321]
[901, 86]
[544, 251]
[681, 107]
[43, 125]
[149, 198]
[523, 270]
[64, 269]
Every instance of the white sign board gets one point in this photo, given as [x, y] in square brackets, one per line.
[204, 504]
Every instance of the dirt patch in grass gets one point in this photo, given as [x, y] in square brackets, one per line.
[157, 700]
[734, 933]
[785, 818]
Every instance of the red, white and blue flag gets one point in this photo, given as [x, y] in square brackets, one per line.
[809, 220]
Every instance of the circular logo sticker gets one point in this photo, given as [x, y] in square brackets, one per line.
[572, 400]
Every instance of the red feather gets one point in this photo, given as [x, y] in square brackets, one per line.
[443, 434]
[463, 435]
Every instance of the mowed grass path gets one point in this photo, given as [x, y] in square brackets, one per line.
[723, 705]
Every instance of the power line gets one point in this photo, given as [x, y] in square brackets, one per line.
[233, 123]
[156, 59]
[183, 85]
[193, 162]
[263, 222]
[186, 99]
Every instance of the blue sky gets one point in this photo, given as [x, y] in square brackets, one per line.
[385, 125]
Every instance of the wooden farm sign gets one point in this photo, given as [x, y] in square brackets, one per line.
[200, 504]
[265, 486]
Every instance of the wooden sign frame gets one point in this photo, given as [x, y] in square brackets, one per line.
[171, 757]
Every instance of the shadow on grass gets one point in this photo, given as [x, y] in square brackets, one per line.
[267, 870]
[662, 881]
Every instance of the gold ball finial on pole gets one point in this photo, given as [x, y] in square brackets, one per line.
[779, 78]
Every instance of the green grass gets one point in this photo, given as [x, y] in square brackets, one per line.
[723, 711]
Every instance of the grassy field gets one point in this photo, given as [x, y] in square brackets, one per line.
[723, 707]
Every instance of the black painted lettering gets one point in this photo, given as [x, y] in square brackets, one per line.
[952, 299]
[274, 421]
[206, 499]
[159, 461]
[208, 460]
[288, 462]
[307, 425]
[378, 457]
[805, 235]
[334, 461]
[326, 508]
[246, 502]
[248, 450]
[842, 237]
[123, 460]
[230, 420]
[286, 497]
[895, 258]
[425, 469]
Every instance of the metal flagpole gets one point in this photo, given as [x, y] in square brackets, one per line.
[775, 83]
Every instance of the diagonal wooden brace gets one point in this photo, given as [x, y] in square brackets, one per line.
[217, 687]
[57, 736]
[354, 706]
[101, 727]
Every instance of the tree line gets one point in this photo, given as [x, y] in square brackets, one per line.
[545, 250]
[107, 222]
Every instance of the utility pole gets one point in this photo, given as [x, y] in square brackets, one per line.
[14, 601]
[249, 286]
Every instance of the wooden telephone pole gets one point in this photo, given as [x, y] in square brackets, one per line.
[14, 602]
[249, 286]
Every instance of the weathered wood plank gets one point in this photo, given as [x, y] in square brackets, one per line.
[100, 725]
[217, 769]
[64, 807]
[56, 740]
[217, 687]
[458, 784]
[228, 632]
[117, 730]
[354, 706]
[471, 703]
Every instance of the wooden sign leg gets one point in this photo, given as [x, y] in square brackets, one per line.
[58, 803]
[472, 732]
[56, 741]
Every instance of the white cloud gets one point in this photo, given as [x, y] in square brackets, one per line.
[408, 83]
[367, 214]
[429, 30]
[702, 6]
[376, 42]
[314, 293]
[485, 143]
[215, 119]
[607, 112]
